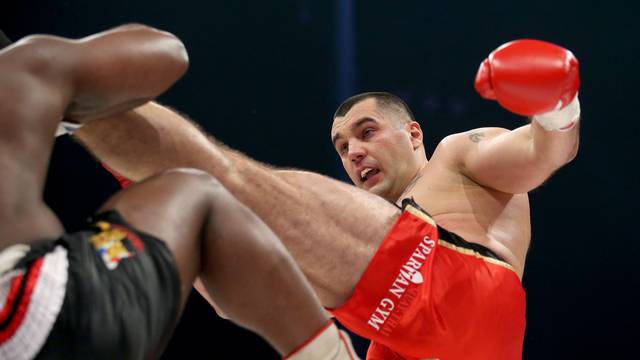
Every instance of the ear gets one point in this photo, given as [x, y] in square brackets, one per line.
[415, 132]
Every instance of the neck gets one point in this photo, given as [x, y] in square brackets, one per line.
[414, 180]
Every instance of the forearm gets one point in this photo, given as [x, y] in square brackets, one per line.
[553, 149]
[520, 160]
[542, 152]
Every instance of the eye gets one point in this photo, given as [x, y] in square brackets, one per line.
[342, 148]
[367, 133]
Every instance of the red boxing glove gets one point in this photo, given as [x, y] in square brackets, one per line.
[529, 77]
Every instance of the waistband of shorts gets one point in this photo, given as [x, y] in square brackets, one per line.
[32, 298]
[10, 256]
[454, 241]
[21, 255]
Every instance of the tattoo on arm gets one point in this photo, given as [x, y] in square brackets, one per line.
[476, 136]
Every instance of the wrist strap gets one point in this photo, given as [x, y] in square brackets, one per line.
[561, 119]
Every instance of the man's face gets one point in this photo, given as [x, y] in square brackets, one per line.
[376, 149]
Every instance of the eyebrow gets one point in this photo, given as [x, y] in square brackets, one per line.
[353, 126]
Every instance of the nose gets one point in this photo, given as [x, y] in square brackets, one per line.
[356, 151]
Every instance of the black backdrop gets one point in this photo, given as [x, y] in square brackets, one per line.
[265, 78]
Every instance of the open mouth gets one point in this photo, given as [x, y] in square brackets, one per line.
[368, 173]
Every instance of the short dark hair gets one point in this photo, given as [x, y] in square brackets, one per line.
[382, 98]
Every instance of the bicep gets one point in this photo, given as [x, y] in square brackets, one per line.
[500, 159]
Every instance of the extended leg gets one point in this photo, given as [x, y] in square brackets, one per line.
[332, 229]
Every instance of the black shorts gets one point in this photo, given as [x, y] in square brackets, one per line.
[122, 295]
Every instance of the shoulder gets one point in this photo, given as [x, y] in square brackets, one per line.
[454, 148]
[472, 136]
[463, 141]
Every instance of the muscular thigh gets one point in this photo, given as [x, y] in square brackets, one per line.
[333, 230]
[172, 206]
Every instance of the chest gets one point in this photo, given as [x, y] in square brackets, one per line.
[449, 195]
[496, 220]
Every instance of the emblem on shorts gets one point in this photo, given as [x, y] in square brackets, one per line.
[417, 278]
[109, 244]
[401, 293]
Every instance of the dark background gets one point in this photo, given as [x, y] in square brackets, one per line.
[266, 76]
